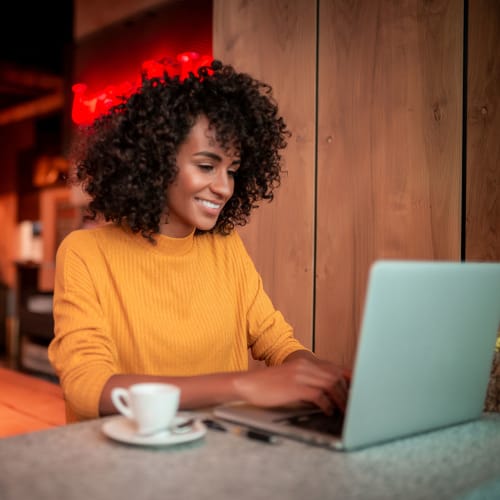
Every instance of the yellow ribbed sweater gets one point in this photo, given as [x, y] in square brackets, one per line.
[185, 306]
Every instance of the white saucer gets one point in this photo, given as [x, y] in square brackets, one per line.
[122, 429]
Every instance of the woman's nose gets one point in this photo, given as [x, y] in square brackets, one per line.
[222, 184]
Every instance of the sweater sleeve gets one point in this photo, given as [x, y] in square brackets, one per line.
[82, 352]
[269, 336]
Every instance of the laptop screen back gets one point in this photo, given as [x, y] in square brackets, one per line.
[425, 348]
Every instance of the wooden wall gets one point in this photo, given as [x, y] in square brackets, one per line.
[373, 91]
[389, 149]
[483, 132]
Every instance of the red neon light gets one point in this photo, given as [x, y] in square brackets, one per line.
[88, 106]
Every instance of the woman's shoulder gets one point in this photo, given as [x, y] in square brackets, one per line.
[85, 239]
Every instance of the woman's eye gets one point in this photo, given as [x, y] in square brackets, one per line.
[205, 166]
[232, 173]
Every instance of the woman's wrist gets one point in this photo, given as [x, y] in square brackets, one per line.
[240, 385]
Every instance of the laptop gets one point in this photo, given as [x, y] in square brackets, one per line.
[422, 363]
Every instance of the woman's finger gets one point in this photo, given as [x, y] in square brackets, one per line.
[320, 399]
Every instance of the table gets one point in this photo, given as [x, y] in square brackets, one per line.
[78, 461]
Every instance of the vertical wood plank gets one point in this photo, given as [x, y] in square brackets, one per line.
[389, 149]
[483, 133]
[275, 41]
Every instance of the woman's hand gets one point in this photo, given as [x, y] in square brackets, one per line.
[301, 378]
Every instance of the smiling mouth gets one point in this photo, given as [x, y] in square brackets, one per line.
[209, 204]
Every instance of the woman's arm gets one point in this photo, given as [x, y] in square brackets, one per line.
[302, 378]
[196, 391]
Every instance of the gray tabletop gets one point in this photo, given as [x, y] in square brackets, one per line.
[79, 462]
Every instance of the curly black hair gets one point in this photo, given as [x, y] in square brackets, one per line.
[126, 159]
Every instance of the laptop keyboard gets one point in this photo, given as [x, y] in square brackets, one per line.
[319, 422]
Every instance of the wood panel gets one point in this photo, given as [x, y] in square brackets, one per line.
[389, 149]
[483, 132]
[274, 40]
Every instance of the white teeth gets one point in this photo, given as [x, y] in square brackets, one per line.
[209, 204]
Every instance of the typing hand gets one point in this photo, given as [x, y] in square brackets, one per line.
[302, 378]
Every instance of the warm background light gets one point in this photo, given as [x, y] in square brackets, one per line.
[88, 105]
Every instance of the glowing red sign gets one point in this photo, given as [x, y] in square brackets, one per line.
[88, 106]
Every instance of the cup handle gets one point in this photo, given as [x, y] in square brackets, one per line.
[121, 399]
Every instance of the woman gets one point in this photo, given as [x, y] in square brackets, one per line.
[167, 292]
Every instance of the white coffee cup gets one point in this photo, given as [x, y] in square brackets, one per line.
[152, 406]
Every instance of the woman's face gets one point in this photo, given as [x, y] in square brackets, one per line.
[203, 185]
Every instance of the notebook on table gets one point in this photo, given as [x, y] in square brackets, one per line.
[422, 363]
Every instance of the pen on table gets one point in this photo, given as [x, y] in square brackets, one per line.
[241, 431]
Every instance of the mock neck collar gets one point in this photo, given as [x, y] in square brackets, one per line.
[174, 246]
[167, 245]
